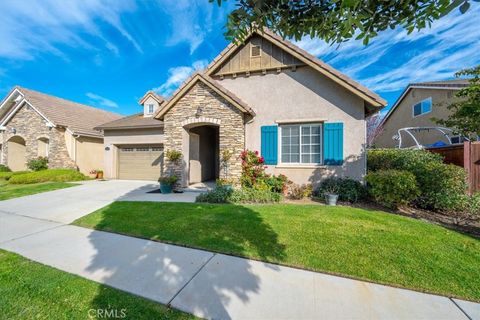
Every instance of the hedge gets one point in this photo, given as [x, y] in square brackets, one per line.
[441, 185]
[51, 175]
[392, 188]
[244, 195]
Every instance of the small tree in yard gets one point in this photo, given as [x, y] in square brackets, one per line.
[465, 112]
[374, 129]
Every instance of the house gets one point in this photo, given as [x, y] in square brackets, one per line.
[34, 124]
[306, 118]
[416, 106]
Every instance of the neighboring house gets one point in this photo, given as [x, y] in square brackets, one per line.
[416, 106]
[306, 118]
[34, 124]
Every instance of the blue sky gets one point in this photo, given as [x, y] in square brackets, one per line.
[109, 53]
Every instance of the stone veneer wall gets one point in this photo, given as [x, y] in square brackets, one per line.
[213, 106]
[30, 126]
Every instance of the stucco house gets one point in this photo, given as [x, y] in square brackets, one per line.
[306, 119]
[34, 124]
[416, 106]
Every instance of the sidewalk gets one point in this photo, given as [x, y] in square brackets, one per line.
[214, 285]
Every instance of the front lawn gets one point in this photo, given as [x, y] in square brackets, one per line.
[30, 290]
[363, 244]
[8, 191]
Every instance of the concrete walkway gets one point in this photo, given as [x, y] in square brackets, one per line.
[203, 283]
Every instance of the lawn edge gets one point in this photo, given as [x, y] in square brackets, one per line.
[388, 284]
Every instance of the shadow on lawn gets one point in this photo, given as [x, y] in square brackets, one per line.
[158, 271]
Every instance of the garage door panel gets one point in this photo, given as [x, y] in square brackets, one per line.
[140, 162]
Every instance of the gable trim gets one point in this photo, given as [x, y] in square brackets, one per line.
[153, 96]
[308, 59]
[188, 84]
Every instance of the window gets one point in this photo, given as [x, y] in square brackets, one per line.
[301, 143]
[42, 147]
[150, 108]
[255, 51]
[422, 107]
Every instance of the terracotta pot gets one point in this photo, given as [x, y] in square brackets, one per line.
[100, 175]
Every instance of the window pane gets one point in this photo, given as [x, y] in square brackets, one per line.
[315, 148]
[417, 109]
[305, 148]
[294, 131]
[305, 139]
[305, 158]
[301, 143]
[426, 106]
[294, 158]
[316, 158]
[315, 130]
[305, 131]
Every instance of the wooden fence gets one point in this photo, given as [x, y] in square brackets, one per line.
[466, 156]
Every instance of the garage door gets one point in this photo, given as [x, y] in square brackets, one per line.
[140, 162]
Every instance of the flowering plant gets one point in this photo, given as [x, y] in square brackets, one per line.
[253, 169]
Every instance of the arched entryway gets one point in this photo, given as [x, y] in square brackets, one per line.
[203, 151]
[16, 155]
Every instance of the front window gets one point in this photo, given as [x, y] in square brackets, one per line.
[301, 143]
[150, 108]
[422, 107]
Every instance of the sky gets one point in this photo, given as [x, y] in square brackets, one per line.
[107, 54]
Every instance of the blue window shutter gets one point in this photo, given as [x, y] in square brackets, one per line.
[333, 143]
[269, 144]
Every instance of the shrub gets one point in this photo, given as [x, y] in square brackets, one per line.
[37, 164]
[173, 155]
[392, 187]
[8, 175]
[441, 185]
[277, 184]
[298, 192]
[253, 170]
[4, 168]
[169, 180]
[245, 195]
[51, 175]
[349, 190]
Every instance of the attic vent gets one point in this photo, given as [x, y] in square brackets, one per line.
[255, 50]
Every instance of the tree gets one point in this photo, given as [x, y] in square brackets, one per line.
[465, 111]
[374, 129]
[335, 21]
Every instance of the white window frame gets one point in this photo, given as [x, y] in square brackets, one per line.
[421, 102]
[279, 139]
[148, 108]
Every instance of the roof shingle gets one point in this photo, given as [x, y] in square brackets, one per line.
[134, 121]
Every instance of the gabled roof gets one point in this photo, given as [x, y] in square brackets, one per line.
[131, 122]
[212, 84]
[370, 97]
[78, 118]
[456, 84]
[152, 94]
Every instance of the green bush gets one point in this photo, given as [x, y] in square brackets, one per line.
[37, 164]
[392, 187]
[441, 185]
[8, 175]
[276, 183]
[51, 175]
[245, 195]
[349, 190]
[4, 168]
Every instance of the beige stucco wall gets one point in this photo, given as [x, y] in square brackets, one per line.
[89, 154]
[403, 117]
[114, 138]
[304, 94]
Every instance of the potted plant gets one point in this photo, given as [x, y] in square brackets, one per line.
[331, 195]
[93, 174]
[99, 174]
[166, 183]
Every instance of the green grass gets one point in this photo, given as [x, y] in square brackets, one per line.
[8, 191]
[50, 175]
[31, 290]
[363, 244]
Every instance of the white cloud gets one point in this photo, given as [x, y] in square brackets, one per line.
[177, 75]
[432, 54]
[27, 29]
[192, 20]
[101, 101]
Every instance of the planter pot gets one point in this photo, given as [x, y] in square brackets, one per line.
[228, 187]
[166, 188]
[100, 175]
[331, 199]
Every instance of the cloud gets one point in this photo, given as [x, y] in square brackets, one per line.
[178, 75]
[190, 21]
[101, 101]
[40, 26]
[394, 58]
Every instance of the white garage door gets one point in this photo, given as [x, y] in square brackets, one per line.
[140, 162]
